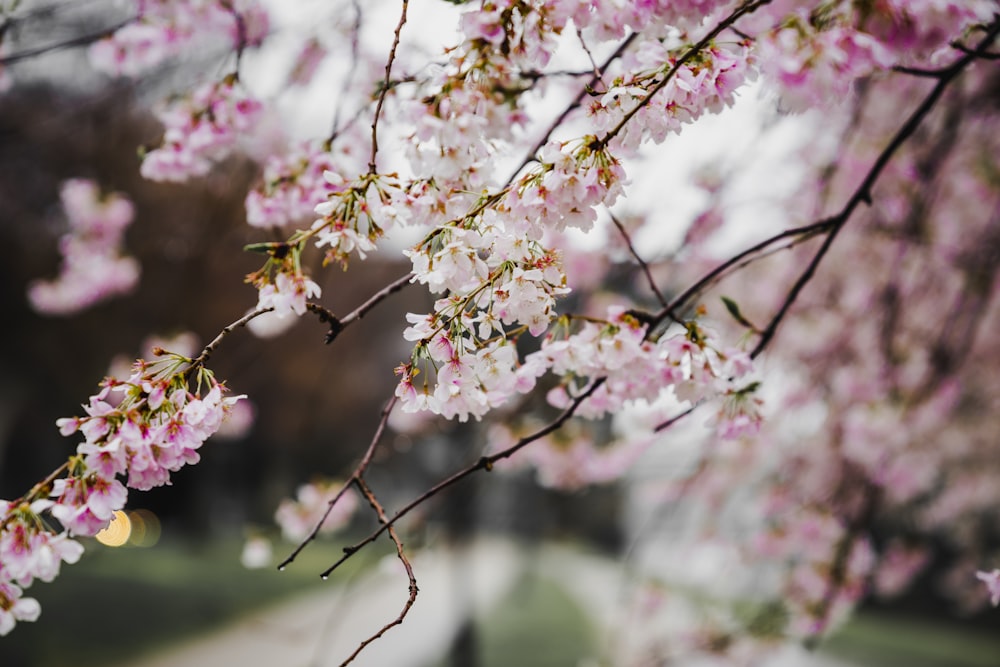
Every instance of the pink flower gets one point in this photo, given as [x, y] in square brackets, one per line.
[15, 608]
[92, 268]
[992, 582]
[287, 294]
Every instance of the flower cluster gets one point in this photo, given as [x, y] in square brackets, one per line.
[827, 567]
[93, 268]
[565, 188]
[497, 286]
[356, 215]
[201, 129]
[165, 28]
[639, 367]
[140, 429]
[814, 67]
[281, 284]
[815, 56]
[657, 105]
[293, 185]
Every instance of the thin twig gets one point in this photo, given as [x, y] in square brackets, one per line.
[401, 554]
[209, 349]
[640, 260]
[359, 471]
[484, 463]
[355, 59]
[741, 11]
[385, 88]
[82, 40]
[598, 75]
[241, 31]
[863, 193]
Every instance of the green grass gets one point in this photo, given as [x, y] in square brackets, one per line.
[872, 639]
[118, 604]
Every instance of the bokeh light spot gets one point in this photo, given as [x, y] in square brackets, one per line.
[118, 531]
[145, 528]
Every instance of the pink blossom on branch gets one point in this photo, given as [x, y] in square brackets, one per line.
[93, 269]
[200, 130]
[165, 28]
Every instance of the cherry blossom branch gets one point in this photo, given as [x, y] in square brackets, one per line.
[355, 58]
[39, 488]
[241, 31]
[642, 264]
[339, 324]
[484, 463]
[82, 40]
[401, 554]
[210, 349]
[862, 193]
[746, 8]
[385, 87]
[356, 476]
[842, 557]
[530, 156]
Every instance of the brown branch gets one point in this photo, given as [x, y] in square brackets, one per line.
[863, 193]
[742, 10]
[385, 88]
[741, 260]
[401, 554]
[82, 40]
[388, 290]
[339, 324]
[484, 463]
[642, 263]
[356, 476]
[531, 155]
[209, 349]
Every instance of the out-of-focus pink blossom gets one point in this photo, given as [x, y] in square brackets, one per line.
[200, 130]
[992, 582]
[93, 270]
[298, 518]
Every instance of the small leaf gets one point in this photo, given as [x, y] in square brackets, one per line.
[734, 310]
[277, 250]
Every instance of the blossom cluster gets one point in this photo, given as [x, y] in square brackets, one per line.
[660, 92]
[201, 129]
[639, 367]
[815, 55]
[469, 341]
[136, 433]
[293, 186]
[93, 268]
[166, 28]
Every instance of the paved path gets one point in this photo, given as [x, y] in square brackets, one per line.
[321, 629]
